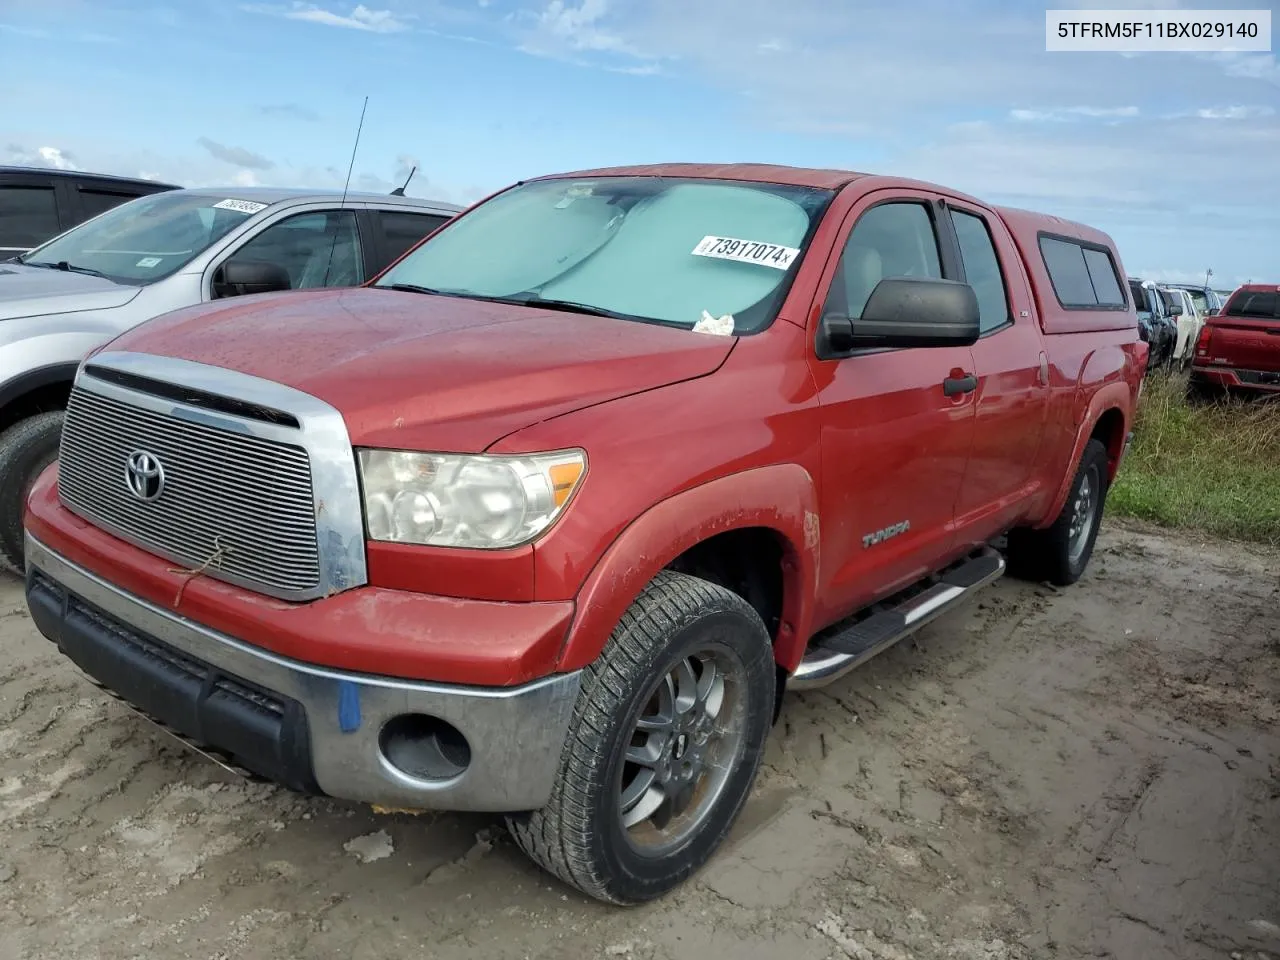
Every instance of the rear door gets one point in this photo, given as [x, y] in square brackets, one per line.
[1012, 368]
[1246, 335]
[400, 229]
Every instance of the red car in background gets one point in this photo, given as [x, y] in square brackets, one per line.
[1239, 348]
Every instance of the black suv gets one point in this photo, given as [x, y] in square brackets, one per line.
[1157, 321]
[36, 204]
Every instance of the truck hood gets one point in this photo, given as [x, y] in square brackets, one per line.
[37, 291]
[415, 371]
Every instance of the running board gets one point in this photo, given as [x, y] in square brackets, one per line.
[834, 656]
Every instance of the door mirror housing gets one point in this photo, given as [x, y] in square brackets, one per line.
[1175, 310]
[238, 278]
[906, 312]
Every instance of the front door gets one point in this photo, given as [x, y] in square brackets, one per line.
[894, 443]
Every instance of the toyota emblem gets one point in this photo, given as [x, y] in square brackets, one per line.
[144, 476]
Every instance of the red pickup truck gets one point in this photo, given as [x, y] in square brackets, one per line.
[544, 519]
[1238, 350]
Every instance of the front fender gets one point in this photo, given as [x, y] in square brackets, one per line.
[780, 497]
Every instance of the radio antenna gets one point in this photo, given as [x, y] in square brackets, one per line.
[399, 191]
[345, 187]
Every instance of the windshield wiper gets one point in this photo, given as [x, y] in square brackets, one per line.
[66, 267]
[414, 288]
[568, 306]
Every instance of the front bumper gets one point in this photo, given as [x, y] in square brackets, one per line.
[310, 728]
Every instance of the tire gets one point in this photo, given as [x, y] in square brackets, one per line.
[26, 448]
[1054, 554]
[579, 836]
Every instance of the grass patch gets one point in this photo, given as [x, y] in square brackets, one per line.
[1208, 467]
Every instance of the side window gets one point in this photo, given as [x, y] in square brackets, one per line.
[1081, 277]
[28, 216]
[403, 229]
[319, 249]
[1103, 274]
[889, 240]
[94, 202]
[982, 269]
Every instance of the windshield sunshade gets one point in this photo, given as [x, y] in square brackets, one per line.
[658, 249]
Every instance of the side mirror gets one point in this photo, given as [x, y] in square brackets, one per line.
[905, 312]
[238, 278]
[1175, 310]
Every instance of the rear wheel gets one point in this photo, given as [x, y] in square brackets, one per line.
[26, 448]
[1059, 553]
[664, 746]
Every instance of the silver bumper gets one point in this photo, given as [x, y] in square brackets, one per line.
[515, 734]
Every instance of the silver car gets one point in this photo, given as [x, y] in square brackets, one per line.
[156, 254]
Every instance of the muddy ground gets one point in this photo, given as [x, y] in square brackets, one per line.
[1086, 773]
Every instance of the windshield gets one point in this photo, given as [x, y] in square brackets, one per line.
[668, 250]
[146, 239]
[1200, 299]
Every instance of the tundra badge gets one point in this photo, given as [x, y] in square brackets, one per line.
[880, 536]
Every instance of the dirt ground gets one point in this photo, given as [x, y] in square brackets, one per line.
[1087, 773]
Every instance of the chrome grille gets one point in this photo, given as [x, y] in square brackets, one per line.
[249, 495]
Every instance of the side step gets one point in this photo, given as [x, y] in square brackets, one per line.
[835, 655]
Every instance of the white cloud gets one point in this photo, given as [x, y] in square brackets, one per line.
[569, 32]
[1073, 113]
[51, 157]
[360, 17]
[1253, 66]
[1235, 113]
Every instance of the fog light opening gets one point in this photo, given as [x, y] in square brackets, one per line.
[425, 747]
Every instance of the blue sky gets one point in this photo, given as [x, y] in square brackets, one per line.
[1176, 155]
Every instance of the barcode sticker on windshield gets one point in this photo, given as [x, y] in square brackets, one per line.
[242, 206]
[746, 251]
[148, 262]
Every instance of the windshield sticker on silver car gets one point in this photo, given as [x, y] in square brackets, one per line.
[240, 206]
[148, 262]
[746, 251]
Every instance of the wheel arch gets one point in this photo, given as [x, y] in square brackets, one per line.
[1107, 417]
[755, 532]
[36, 391]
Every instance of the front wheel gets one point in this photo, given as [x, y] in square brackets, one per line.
[26, 448]
[1060, 553]
[665, 742]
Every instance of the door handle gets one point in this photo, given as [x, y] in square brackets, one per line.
[953, 385]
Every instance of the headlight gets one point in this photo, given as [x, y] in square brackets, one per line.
[448, 500]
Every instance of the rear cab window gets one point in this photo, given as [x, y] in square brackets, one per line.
[1263, 304]
[1083, 277]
